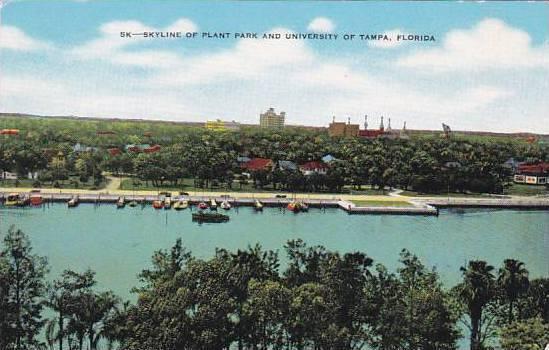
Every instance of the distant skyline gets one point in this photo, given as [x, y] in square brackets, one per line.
[487, 70]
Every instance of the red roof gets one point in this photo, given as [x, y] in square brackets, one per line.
[370, 133]
[257, 164]
[152, 149]
[114, 151]
[540, 168]
[9, 132]
[314, 165]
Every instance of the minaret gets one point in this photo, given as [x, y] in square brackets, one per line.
[389, 125]
[349, 120]
[366, 122]
[404, 127]
[333, 119]
[381, 127]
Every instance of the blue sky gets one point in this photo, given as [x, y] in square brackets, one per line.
[487, 70]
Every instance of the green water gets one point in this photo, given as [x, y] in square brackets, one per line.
[118, 244]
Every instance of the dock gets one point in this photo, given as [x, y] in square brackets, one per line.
[418, 206]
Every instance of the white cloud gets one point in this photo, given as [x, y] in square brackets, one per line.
[111, 47]
[13, 38]
[321, 25]
[239, 82]
[248, 59]
[491, 44]
[388, 44]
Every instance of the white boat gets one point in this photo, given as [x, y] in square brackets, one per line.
[181, 204]
[258, 205]
[167, 203]
[226, 205]
[213, 204]
[73, 202]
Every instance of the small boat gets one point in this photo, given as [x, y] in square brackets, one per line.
[202, 216]
[258, 206]
[121, 202]
[213, 204]
[158, 204]
[226, 205]
[133, 204]
[167, 203]
[304, 207]
[181, 204]
[12, 200]
[73, 202]
[202, 206]
[36, 199]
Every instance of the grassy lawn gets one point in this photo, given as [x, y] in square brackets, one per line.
[525, 190]
[187, 185]
[73, 183]
[451, 194]
[511, 190]
[382, 203]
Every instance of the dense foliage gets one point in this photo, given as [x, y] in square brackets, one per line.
[320, 300]
[427, 164]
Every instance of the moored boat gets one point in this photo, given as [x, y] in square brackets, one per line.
[181, 204]
[121, 202]
[12, 199]
[202, 216]
[132, 204]
[226, 205]
[73, 202]
[36, 199]
[304, 207]
[202, 206]
[158, 204]
[167, 203]
[258, 206]
[213, 204]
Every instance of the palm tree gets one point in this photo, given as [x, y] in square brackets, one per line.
[476, 290]
[513, 280]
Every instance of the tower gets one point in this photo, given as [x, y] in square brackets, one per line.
[381, 127]
[349, 120]
[389, 125]
[366, 122]
[404, 126]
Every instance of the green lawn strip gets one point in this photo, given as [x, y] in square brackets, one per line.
[187, 185]
[374, 203]
[72, 183]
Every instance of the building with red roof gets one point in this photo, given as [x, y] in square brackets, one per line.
[9, 132]
[257, 164]
[532, 174]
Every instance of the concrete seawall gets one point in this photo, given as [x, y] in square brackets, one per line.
[418, 206]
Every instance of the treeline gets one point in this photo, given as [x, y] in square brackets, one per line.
[428, 164]
[243, 300]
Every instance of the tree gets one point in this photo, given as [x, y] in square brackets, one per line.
[514, 283]
[531, 334]
[475, 292]
[63, 298]
[22, 285]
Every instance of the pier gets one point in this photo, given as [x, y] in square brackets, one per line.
[418, 206]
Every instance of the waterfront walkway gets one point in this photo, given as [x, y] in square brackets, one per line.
[418, 205]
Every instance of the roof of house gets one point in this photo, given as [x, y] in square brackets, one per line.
[328, 158]
[243, 159]
[313, 165]
[257, 164]
[539, 168]
[287, 165]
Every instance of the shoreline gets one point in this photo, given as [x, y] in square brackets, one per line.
[418, 205]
